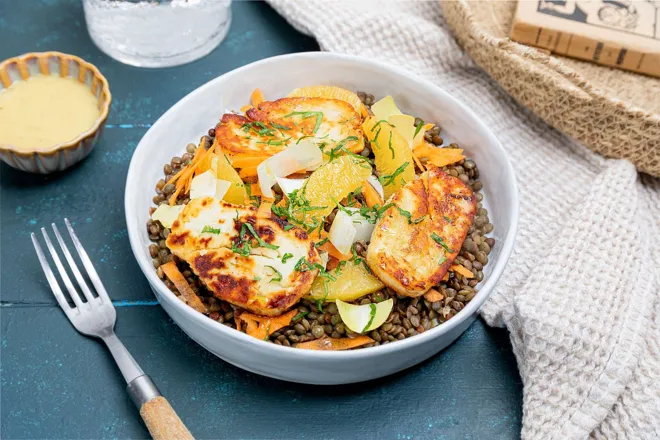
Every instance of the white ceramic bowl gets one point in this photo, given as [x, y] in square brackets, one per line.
[196, 113]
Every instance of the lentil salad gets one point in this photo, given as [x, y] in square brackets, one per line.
[316, 319]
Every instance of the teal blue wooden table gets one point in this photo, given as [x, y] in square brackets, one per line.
[58, 384]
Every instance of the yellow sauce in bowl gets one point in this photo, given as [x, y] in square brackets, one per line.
[45, 110]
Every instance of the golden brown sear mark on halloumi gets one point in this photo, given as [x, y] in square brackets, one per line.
[274, 125]
[412, 253]
[258, 274]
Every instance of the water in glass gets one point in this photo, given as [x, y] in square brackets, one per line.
[157, 33]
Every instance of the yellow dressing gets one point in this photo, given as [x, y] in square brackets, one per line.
[44, 111]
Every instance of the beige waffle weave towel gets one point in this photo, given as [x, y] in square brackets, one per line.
[580, 295]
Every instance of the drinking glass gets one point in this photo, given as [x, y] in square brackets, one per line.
[157, 33]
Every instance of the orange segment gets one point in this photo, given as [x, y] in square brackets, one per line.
[332, 182]
[331, 92]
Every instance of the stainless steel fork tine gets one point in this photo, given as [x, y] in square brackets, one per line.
[52, 281]
[73, 266]
[91, 272]
[60, 268]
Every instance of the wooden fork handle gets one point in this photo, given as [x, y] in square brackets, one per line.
[159, 416]
[161, 420]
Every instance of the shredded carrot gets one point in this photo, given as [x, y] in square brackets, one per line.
[330, 248]
[446, 277]
[419, 163]
[462, 270]
[264, 209]
[335, 343]
[176, 176]
[332, 263]
[257, 97]
[183, 182]
[433, 295]
[205, 164]
[439, 157]
[261, 327]
[177, 191]
[255, 189]
[245, 108]
[173, 274]
[246, 161]
[371, 196]
[195, 159]
[187, 177]
[247, 172]
[334, 252]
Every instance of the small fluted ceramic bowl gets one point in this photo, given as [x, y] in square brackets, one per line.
[201, 109]
[63, 155]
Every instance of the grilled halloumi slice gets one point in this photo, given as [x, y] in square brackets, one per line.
[273, 126]
[411, 253]
[266, 275]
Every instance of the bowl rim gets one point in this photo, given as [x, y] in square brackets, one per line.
[258, 345]
[75, 142]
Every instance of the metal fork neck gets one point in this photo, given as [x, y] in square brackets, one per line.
[129, 368]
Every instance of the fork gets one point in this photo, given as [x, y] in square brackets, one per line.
[96, 317]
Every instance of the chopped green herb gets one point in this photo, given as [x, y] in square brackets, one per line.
[309, 114]
[256, 278]
[341, 208]
[418, 128]
[377, 125]
[211, 230]
[372, 315]
[278, 126]
[275, 141]
[442, 260]
[303, 265]
[241, 247]
[254, 200]
[347, 120]
[259, 127]
[259, 240]
[341, 146]
[381, 211]
[388, 180]
[321, 243]
[406, 214]
[373, 214]
[289, 227]
[286, 257]
[295, 210]
[319, 305]
[324, 273]
[355, 259]
[277, 272]
[390, 145]
[300, 316]
[448, 219]
[441, 242]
